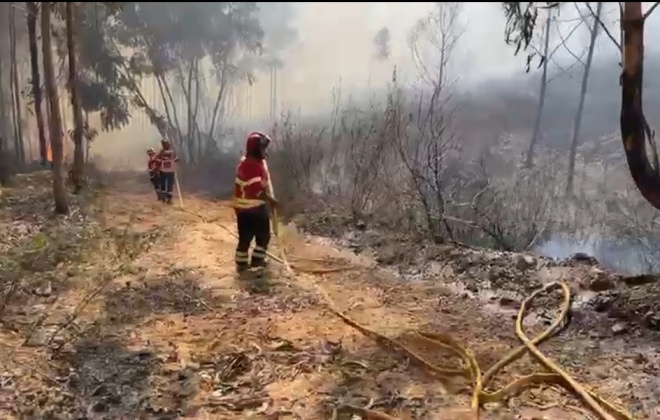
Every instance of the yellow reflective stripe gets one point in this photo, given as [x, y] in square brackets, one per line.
[246, 203]
[242, 183]
[259, 252]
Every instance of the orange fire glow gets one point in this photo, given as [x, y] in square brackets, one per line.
[49, 151]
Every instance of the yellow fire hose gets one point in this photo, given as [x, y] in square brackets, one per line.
[604, 409]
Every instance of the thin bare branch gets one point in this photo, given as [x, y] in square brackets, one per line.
[651, 9]
[602, 25]
[17, 6]
[564, 40]
[562, 70]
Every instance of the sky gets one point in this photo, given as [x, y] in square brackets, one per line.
[334, 48]
[335, 44]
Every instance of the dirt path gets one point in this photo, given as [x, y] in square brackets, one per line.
[181, 336]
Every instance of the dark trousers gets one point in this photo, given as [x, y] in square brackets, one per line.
[252, 224]
[166, 185]
[155, 181]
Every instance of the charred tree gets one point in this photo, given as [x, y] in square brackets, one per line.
[55, 119]
[78, 152]
[17, 117]
[33, 12]
[634, 129]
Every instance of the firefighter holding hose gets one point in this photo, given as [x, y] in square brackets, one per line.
[252, 198]
[166, 158]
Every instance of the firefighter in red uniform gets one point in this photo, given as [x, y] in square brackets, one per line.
[154, 166]
[166, 158]
[251, 200]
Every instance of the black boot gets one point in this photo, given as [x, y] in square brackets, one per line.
[258, 263]
[241, 267]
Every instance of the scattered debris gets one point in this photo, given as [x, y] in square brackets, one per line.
[173, 333]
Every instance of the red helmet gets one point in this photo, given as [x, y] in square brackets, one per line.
[257, 141]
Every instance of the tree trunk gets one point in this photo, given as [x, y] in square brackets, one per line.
[15, 89]
[218, 102]
[12, 88]
[88, 142]
[190, 138]
[4, 121]
[583, 93]
[198, 137]
[12, 98]
[529, 161]
[633, 124]
[175, 113]
[78, 152]
[33, 11]
[55, 126]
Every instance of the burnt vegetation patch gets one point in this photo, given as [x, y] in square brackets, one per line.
[41, 255]
[165, 295]
[106, 379]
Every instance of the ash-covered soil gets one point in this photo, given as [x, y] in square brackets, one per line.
[610, 302]
[154, 322]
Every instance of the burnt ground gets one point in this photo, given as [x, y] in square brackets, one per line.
[609, 311]
[604, 298]
[145, 318]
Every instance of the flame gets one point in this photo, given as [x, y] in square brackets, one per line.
[49, 151]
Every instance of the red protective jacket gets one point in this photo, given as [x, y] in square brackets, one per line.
[251, 184]
[167, 157]
[153, 164]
